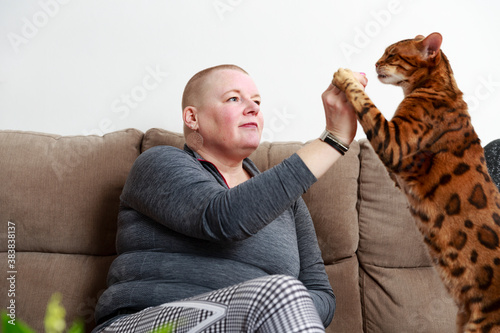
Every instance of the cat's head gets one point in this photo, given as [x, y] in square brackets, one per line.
[406, 62]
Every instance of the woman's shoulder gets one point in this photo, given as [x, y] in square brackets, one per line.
[163, 149]
[164, 152]
[164, 156]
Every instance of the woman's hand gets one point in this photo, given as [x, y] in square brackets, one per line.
[341, 121]
[340, 116]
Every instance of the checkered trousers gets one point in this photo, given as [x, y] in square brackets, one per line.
[275, 303]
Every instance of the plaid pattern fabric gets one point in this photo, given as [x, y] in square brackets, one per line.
[275, 303]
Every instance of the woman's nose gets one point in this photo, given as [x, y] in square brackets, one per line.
[252, 107]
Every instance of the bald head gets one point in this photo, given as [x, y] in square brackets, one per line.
[195, 86]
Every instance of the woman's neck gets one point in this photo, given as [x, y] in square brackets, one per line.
[231, 168]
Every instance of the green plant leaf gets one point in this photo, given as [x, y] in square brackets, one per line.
[10, 325]
[77, 327]
[167, 328]
[55, 321]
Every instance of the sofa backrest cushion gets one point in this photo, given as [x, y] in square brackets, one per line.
[400, 288]
[63, 191]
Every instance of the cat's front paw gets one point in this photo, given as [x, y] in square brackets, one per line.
[343, 77]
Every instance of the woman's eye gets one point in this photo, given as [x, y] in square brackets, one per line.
[257, 102]
[233, 99]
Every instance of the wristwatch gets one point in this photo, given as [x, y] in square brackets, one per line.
[329, 138]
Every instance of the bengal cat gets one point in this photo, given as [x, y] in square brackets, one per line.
[433, 152]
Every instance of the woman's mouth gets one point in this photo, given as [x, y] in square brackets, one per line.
[250, 125]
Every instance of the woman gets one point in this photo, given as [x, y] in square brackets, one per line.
[227, 247]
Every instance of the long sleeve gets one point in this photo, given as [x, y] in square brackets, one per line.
[173, 188]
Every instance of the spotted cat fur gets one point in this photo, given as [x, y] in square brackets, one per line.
[432, 150]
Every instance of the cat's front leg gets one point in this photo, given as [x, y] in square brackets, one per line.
[377, 129]
[344, 80]
[369, 116]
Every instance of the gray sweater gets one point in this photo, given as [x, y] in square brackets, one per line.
[182, 232]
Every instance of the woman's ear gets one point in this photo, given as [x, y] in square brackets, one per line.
[190, 117]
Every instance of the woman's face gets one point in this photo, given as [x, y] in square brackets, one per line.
[229, 114]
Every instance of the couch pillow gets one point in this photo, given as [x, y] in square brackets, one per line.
[385, 221]
[62, 192]
[400, 288]
[157, 136]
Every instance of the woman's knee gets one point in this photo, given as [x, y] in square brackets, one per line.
[285, 280]
[277, 287]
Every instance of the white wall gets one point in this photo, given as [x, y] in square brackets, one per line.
[78, 67]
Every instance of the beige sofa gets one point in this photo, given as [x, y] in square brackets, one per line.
[61, 196]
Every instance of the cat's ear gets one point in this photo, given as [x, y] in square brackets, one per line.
[432, 44]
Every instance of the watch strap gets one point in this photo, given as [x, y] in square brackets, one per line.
[338, 145]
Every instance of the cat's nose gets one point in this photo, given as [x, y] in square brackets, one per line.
[376, 64]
